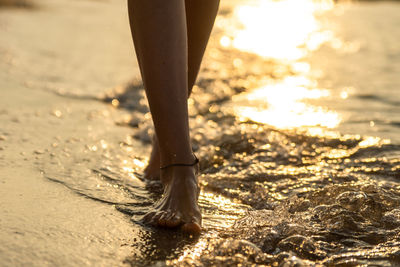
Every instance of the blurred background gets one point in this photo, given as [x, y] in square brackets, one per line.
[344, 58]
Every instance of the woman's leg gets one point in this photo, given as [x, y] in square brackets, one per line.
[200, 17]
[159, 33]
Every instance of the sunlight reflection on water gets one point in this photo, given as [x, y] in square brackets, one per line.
[281, 105]
[283, 31]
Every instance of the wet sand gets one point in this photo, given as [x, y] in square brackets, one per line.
[56, 47]
[317, 186]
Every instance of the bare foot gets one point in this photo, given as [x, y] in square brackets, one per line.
[152, 170]
[178, 206]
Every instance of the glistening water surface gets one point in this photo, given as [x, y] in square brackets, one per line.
[295, 118]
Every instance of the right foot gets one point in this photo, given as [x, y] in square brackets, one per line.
[178, 206]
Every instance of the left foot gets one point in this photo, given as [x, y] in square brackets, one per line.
[178, 206]
[152, 170]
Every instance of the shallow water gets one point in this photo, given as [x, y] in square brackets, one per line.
[298, 145]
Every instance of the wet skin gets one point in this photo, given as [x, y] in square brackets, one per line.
[178, 205]
[170, 38]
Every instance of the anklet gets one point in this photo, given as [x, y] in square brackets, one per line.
[196, 160]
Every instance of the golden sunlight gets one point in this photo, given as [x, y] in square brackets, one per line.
[282, 30]
[286, 31]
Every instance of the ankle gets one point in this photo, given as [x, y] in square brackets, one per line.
[194, 163]
[181, 157]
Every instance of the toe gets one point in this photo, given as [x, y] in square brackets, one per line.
[192, 228]
[193, 224]
[152, 217]
[154, 220]
[162, 221]
[148, 217]
[174, 221]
